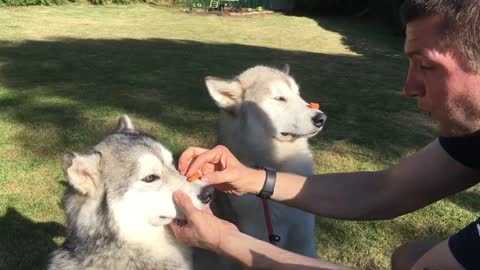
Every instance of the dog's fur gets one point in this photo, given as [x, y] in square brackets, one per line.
[265, 123]
[118, 204]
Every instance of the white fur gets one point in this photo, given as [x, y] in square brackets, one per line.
[266, 123]
[152, 202]
[146, 207]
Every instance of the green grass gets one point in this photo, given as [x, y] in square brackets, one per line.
[67, 73]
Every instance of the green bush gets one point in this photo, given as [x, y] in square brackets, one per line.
[387, 11]
[331, 7]
[106, 2]
[33, 2]
[94, 2]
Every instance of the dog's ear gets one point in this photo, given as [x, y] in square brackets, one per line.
[125, 124]
[83, 171]
[286, 69]
[226, 93]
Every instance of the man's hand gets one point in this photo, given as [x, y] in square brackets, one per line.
[222, 169]
[201, 229]
[204, 230]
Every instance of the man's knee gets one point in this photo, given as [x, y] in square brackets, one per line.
[405, 256]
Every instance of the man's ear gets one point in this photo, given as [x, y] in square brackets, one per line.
[226, 93]
[83, 172]
[124, 124]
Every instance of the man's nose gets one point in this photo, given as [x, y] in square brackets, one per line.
[414, 87]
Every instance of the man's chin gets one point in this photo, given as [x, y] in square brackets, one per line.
[444, 131]
[454, 131]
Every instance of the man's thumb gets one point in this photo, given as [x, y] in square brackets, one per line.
[183, 202]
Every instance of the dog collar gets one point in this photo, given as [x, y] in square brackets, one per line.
[269, 184]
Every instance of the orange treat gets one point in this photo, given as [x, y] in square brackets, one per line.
[314, 105]
[194, 177]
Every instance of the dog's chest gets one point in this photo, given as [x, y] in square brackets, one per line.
[139, 264]
[132, 259]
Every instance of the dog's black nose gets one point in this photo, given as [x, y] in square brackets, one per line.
[319, 119]
[206, 195]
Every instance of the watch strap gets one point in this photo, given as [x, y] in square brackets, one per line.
[269, 184]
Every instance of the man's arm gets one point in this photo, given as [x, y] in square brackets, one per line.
[439, 257]
[204, 230]
[256, 254]
[419, 180]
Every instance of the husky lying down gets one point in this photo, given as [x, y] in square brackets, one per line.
[118, 204]
[265, 123]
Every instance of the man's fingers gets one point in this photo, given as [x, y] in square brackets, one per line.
[187, 157]
[212, 157]
[217, 156]
[207, 209]
[184, 202]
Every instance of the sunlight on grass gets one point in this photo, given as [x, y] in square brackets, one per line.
[143, 22]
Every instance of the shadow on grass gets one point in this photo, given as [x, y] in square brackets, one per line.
[363, 35]
[24, 243]
[62, 81]
[370, 238]
[468, 200]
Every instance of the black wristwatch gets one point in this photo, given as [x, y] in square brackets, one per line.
[269, 185]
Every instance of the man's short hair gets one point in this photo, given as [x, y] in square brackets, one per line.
[461, 24]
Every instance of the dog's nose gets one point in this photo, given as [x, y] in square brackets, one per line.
[206, 195]
[319, 119]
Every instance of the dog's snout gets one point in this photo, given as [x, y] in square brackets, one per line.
[206, 195]
[319, 119]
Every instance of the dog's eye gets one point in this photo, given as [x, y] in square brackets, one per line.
[150, 178]
[282, 99]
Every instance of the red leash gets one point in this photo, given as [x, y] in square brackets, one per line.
[273, 238]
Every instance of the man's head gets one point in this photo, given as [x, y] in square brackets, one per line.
[444, 74]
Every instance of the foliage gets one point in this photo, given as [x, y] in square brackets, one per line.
[33, 2]
[388, 12]
[331, 7]
[94, 2]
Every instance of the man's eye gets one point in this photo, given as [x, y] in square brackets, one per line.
[150, 178]
[426, 67]
[283, 99]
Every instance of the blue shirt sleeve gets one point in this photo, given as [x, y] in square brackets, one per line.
[465, 246]
[465, 150]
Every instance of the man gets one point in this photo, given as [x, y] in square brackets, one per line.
[443, 46]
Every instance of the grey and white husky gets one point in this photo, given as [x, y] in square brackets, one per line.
[118, 204]
[265, 122]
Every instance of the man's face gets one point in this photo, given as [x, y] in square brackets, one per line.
[439, 79]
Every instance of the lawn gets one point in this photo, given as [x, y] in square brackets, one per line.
[67, 73]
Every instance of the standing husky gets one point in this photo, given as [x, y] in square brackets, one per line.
[118, 204]
[265, 123]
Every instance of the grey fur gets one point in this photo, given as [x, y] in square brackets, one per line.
[105, 189]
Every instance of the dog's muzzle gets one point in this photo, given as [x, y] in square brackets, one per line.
[319, 119]
[206, 194]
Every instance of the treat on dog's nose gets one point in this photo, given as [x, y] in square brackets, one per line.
[314, 105]
[194, 177]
